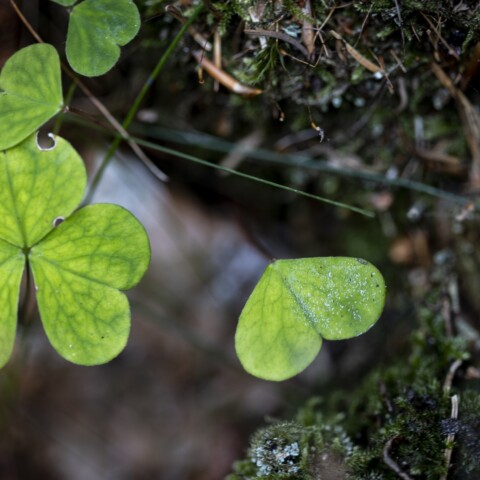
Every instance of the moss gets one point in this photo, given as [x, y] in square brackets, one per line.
[296, 450]
[467, 440]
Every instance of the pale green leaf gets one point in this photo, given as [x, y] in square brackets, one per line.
[30, 92]
[78, 269]
[36, 187]
[65, 3]
[86, 322]
[12, 261]
[103, 243]
[296, 303]
[96, 30]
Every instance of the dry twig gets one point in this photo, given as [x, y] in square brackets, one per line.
[447, 384]
[308, 35]
[470, 119]
[450, 437]
[224, 78]
[390, 462]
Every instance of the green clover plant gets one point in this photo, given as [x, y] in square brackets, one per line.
[30, 92]
[80, 260]
[299, 302]
[96, 30]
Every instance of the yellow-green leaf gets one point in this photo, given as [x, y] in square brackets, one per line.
[80, 261]
[296, 303]
[30, 92]
[103, 243]
[12, 261]
[65, 3]
[36, 187]
[86, 322]
[78, 270]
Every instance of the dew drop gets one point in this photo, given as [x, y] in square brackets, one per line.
[359, 102]
[337, 102]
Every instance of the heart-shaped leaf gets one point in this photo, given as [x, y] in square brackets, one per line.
[79, 264]
[95, 31]
[30, 92]
[36, 187]
[296, 303]
[78, 270]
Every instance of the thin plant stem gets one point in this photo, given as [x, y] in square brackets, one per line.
[291, 160]
[139, 99]
[298, 160]
[191, 158]
[206, 163]
[68, 100]
[26, 314]
[26, 299]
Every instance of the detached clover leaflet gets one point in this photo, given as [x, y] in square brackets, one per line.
[79, 266]
[298, 303]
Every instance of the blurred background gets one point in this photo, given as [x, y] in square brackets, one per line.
[176, 404]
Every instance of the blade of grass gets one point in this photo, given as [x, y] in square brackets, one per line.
[192, 158]
[212, 143]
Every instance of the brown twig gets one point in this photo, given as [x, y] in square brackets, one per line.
[224, 78]
[400, 21]
[390, 462]
[448, 163]
[356, 55]
[217, 57]
[447, 384]
[450, 437]
[450, 49]
[399, 62]
[308, 35]
[470, 119]
[447, 316]
[364, 23]
[402, 93]
[199, 38]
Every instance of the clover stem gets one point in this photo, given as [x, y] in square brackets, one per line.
[68, 99]
[24, 309]
[138, 100]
